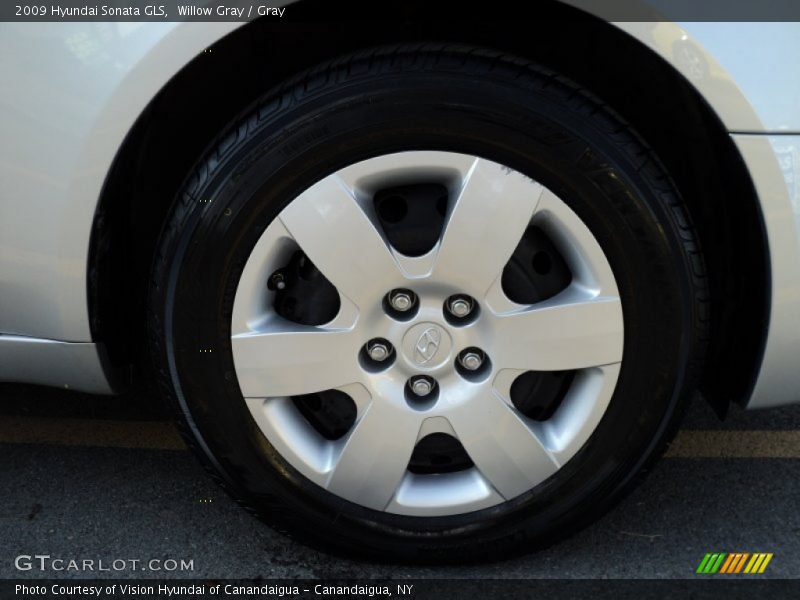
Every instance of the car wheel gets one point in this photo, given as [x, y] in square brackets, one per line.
[428, 304]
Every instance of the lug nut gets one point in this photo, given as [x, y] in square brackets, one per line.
[378, 351]
[460, 306]
[471, 361]
[421, 385]
[401, 300]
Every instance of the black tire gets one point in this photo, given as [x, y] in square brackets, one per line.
[443, 98]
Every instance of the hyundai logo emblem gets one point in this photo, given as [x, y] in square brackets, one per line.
[427, 345]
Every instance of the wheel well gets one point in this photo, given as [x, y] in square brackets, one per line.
[196, 104]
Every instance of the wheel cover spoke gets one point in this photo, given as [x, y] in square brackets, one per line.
[292, 359]
[571, 331]
[503, 445]
[372, 460]
[331, 227]
[490, 215]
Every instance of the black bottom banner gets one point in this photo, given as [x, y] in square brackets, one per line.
[418, 589]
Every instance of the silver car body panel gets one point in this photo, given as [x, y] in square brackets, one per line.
[71, 92]
[71, 366]
[774, 164]
[743, 70]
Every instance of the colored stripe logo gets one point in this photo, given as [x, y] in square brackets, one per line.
[733, 563]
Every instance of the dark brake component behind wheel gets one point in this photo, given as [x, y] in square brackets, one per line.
[303, 294]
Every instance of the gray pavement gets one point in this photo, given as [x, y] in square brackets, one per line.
[93, 496]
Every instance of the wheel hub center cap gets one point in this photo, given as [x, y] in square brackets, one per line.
[427, 346]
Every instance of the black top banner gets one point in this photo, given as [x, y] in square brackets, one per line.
[377, 10]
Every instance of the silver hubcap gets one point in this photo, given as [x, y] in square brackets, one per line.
[334, 224]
